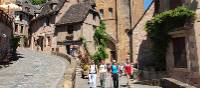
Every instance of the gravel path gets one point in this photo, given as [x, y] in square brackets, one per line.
[34, 70]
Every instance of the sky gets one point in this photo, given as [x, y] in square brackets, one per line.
[147, 3]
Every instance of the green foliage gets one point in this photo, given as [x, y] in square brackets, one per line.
[101, 38]
[37, 2]
[158, 29]
[100, 35]
[100, 54]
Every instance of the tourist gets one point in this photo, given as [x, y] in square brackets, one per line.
[92, 75]
[121, 69]
[115, 76]
[128, 71]
[102, 72]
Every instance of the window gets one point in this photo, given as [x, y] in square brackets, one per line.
[94, 16]
[157, 6]
[101, 12]
[67, 0]
[22, 29]
[53, 6]
[175, 3]
[110, 12]
[16, 27]
[113, 55]
[27, 9]
[21, 17]
[180, 60]
[70, 29]
[48, 41]
[47, 22]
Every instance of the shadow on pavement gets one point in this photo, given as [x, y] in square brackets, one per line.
[7, 60]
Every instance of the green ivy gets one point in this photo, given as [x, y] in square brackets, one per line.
[101, 39]
[158, 31]
[37, 2]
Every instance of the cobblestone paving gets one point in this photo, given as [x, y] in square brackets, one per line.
[34, 70]
[83, 83]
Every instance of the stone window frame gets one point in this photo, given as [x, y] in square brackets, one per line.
[49, 40]
[22, 29]
[110, 10]
[16, 28]
[175, 34]
[101, 13]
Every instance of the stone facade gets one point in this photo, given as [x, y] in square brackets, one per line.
[21, 21]
[62, 33]
[119, 16]
[5, 1]
[185, 38]
[5, 33]
[141, 43]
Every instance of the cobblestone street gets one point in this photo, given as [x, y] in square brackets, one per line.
[83, 83]
[34, 70]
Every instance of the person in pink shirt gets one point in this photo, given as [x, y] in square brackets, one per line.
[128, 71]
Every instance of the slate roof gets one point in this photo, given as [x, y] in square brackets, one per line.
[27, 3]
[47, 9]
[76, 13]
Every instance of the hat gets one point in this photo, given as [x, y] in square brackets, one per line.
[114, 61]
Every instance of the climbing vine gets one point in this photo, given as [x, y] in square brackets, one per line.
[37, 2]
[158, 29]
[101, 39]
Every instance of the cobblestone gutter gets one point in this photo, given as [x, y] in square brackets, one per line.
[70, 74]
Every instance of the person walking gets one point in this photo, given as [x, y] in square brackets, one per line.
[92, 75]
[128, 71]
[115, 76]
[102, 72]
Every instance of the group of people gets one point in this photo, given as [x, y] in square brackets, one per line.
[115, 71]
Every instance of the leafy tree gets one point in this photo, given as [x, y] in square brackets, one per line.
[101, 38]
[37, 2]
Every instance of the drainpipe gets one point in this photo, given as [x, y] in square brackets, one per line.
[130, 33]
[117, 29]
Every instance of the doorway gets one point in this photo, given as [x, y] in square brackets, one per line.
[180, 60]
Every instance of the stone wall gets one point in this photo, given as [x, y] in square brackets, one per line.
[141, 44]
[5, 36]
[172, 83]
[125, 15]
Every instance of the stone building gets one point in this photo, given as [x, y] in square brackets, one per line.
[119, 16]
[5, 33]
[182, 59]
[6, 1]
[61, 26]
[21, 21]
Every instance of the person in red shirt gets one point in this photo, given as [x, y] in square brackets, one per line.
[128, 71]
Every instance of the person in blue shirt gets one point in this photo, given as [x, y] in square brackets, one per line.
[115, 76]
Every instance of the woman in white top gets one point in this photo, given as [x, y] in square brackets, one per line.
[102, 72]
[92, 75]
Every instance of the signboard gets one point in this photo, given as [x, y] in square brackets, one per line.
[70, 42]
